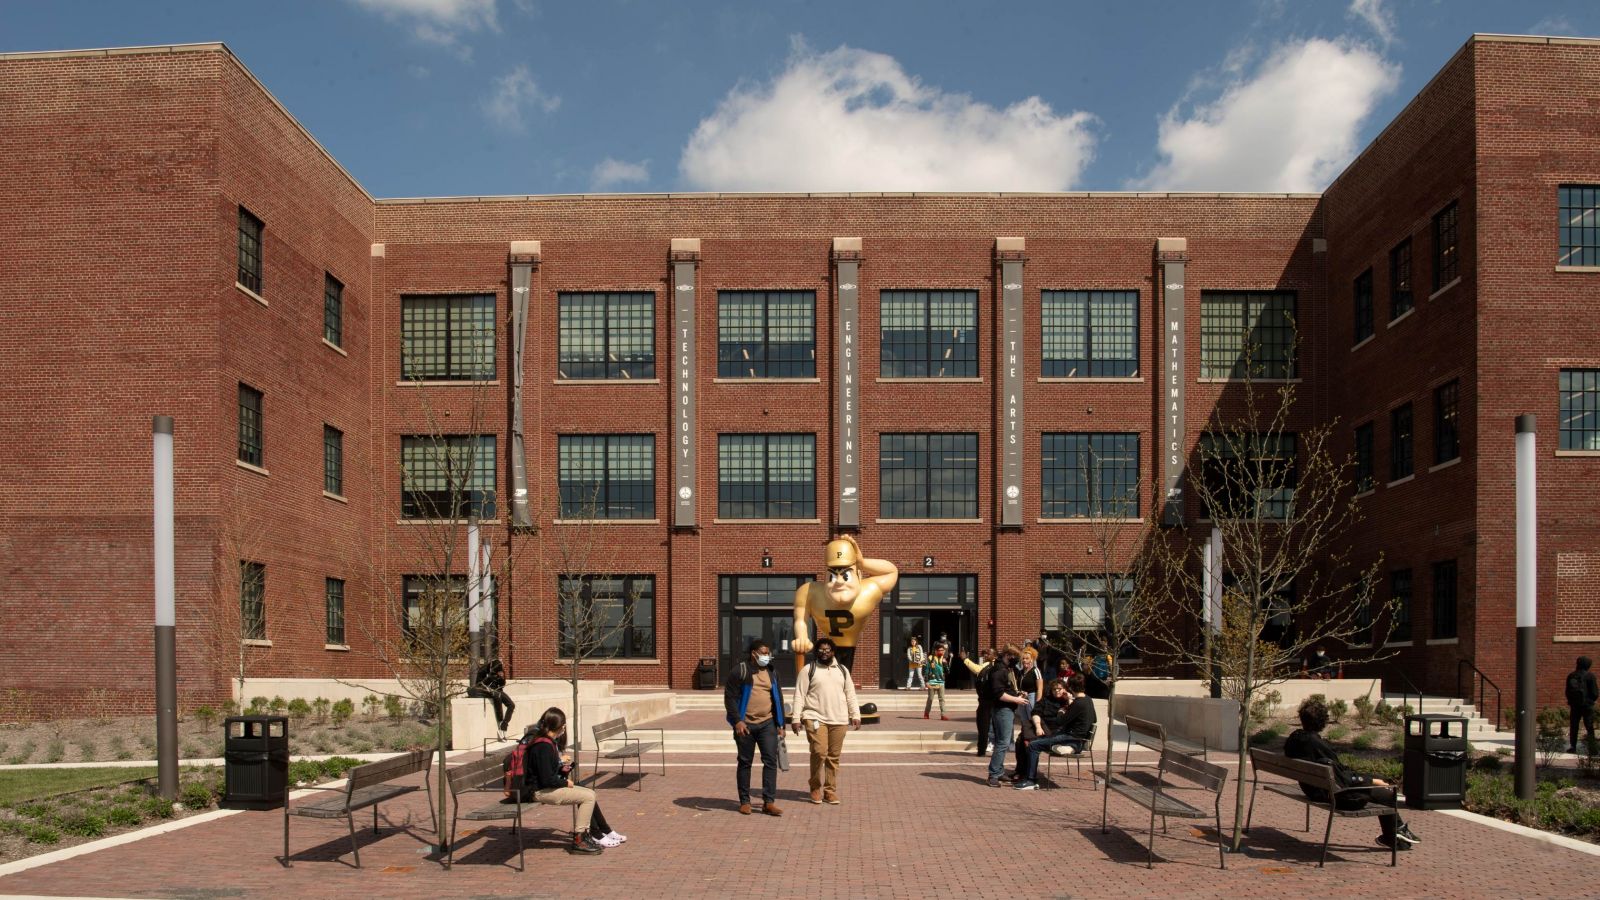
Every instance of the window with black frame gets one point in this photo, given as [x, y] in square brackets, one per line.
[1444, 600]
[1578, 224]
[333, 460]
[609, 617]
[1090, 476]
[1446, 247]
[447, 338]
[1076, 605]
[606, 335]
[1090, 334]
[1249, 474]
[333, 593]
[1247, 334]
[1400, 597]
[1400, 295]
[332, 310]
[447, 476]
[766, 476]
[1401, 461]
[249, 251]
[434, 608]
[251, 439]
[928, 334]
[1361, 291]
[1446, 423]
[766, 334]
[252, 601]
[1363, 454]
[928, 476]
[1580, 409]
[606, 476]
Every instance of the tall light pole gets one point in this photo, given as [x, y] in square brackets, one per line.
[1211, 616]
[1527, 602]
[474, 598]
[166, 613]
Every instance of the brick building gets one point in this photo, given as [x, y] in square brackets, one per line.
[176, 243]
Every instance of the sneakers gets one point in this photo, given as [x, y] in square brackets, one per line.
[1406, 836]
[585, 845]
[816, 796]
[610, 840]
[744, 809]
[830, 798]
[1387, 841]
[944, 718]
[1027, 785]
[994, 782]
[771, 809]
[925, 715]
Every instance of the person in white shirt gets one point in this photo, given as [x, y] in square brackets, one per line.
[824, 703]
[914, 660]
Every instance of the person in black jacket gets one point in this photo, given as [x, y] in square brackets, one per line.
[490, 682]
[1066, 716]
[753, 701]
[1308, 744]
[551, 775]
[1582, 692]
[1008, 700]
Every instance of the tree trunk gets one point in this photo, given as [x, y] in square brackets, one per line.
[1244, 742]
[439, 746]
[1111, 718]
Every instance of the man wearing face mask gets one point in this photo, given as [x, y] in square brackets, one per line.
[824, 702]
[753, 701]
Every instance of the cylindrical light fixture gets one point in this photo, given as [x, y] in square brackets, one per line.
[166, 612]
[1527, 603]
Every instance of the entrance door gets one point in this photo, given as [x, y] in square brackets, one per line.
[756, 606]
[928, 606]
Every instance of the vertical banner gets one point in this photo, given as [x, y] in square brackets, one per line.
[683, 436]
[521, 281]
[1011, 430]
[847, 405]
[1172, 394]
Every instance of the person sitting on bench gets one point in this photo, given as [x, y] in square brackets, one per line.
[550, 775]
[490, 682]
[1307, 743]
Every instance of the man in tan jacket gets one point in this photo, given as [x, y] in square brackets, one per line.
[824, 702]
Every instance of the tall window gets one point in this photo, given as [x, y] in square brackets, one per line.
[1090, 475]
[1400, 298]
[1446, 247]
[252, 601]
[333, 593]
[766, 334]
[1446, 423]
[607, 476]
[1091, 334]
[1400, 443]
[1400, 592]
[608, 618]
[1240, 328]
[1077, 604]
[249, 250]
[447, 477]
[447, 338]
[332, 460]
[928, 476]
[1249, 475]
[332, 310]
[1580, 409]
[1362, 291]
[1579, 224]
[1444, 599]
[250, 425]
[766, 476]
[434, 612]
[929, 334]
[1364, 458]
[606, 335]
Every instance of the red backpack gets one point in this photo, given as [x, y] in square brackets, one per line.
[516, 767]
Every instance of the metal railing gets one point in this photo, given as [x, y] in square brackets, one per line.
[1482, 682]
[1407, 689]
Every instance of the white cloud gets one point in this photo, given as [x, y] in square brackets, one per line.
[441, 22]
[1292, 127]
[1379, 19]
[1553, 25]
[514, 94]
[854, 120]
[609, 173]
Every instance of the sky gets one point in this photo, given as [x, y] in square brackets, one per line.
[481, 97]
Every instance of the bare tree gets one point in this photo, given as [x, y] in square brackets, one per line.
[235, 643]
[595, 604]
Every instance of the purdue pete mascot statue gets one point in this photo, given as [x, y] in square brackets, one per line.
[841, 605]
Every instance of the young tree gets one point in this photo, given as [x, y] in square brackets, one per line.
[235, 642]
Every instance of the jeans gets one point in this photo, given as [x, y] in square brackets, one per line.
[1038, 746]
[1003, 719]
[1576, 714]
[764, 736]
[915, 673]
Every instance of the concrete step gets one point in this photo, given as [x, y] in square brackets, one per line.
[958, 702]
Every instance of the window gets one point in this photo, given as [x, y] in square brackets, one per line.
[1363, 592]
[606, 335]
[1090, 475]
[434, 614]
[249, 251]
[447, 477]
[1362, 290]
[1364, 458]
[607, 476]
[766, 476]
[1237, 327]
[332, 310]
[252, 601]
[1446, 250]
[1580, 409]
[1090, 334]
[759, 590]
[1400, 593]
[250, 437]
[1446, 423]
[333, 591]
[447, 338]
[928, 476]
[609, 618]
[1400, 441]
[766, 334]
[1444, 599]
[1579, 224]
[929, 334]
[1235, 466]
[1077, 603]
[1400, 301]
[913, 591]
[332, 460]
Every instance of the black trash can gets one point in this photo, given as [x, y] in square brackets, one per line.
[255, 762]
[1435, 765]
[705, 674]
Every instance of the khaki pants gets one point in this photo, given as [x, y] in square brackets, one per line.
[581, 797]
[826, 742]
[934, 689]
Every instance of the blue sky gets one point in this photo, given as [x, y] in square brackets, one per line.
[461, 97]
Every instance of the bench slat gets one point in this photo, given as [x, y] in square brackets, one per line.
[389, 769]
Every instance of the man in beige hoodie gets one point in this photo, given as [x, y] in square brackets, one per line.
[824, 703]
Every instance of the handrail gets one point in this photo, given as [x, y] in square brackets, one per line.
[1482, 680]
[1407, 690]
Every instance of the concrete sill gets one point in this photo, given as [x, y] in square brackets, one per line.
[611, 662]
[1363, 342]
[251, 294]
[1243, 380]
[339, 497]
[1453, 282]
[766, 521]
[930, 380]
[1092, 379]
[417, 382]
[1399, 481]
[1402, 317]
[444, 521]
[1398, 644]
[1444, 465]
[1578, 452]
[1366, 493]
[1578, 268]
[1441, 642]
[1576, 639]
[250, 468]
[595, 381]
[766, 381]
[928, 521]
[1085, 520]
[334, 347]
[253, 642]
[343, 648]
[606, 522]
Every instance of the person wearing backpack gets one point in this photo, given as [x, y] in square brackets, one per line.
[753, 701]
[825, 702]
[549, 774]
[1582, 693]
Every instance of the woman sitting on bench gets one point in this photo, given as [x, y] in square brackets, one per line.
[1308, 744]
[553, 785]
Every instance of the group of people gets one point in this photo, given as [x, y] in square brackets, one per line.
[1021, 709]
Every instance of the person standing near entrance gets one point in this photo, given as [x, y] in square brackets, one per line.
[914, 661]
[753, 701]
[1008, 699]
[825, 702]
[934, 670]
[980, 684]
[1581, 696]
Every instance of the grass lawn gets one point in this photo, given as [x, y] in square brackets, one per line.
[21, 786]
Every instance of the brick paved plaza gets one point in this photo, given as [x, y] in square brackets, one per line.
[909, 824]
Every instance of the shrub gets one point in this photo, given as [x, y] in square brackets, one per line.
[1337, 709]
[1338, 733]
[336, 766]
[123, 816]
[206, 716]
[277, 705]
[39, 833]
[196, 795]
[258, 705]
[157, 808]
[1266, 735]
[56, 751]
[1363, 709]
[84, 824]
[320, 707]
[369, 706]
[342, 711]
[1386, 768]
[393, 708]
[230, 707]
[23, 754]
[1503, 751]
[1364, 741]
[1263, 707]
[1487, 763]
[40, 811]
[88, 750]
[304, 771]
[298, 709]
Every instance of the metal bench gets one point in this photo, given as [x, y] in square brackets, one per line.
[365, 785]
[1317, 775]
[485, 776]
[1154, 735]
[1074, 754]
[1207, 776]
[615, 732]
